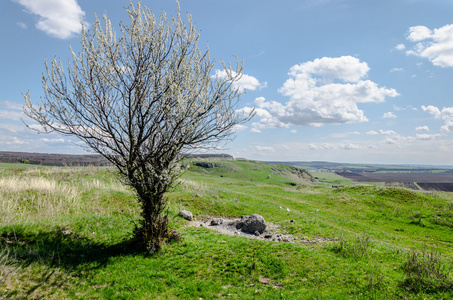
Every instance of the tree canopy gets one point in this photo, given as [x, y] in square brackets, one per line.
[142, 99]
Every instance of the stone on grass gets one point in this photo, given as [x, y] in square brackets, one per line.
[186, 215]
[216, 221]
[253, 223]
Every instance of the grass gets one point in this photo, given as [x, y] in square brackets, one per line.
[64, 229]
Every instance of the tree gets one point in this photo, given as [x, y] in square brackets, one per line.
[142, 100]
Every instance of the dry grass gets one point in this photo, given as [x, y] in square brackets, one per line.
[23, 198]
[195, 187]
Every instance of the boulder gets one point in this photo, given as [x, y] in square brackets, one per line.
[253, 223]
[186, 215]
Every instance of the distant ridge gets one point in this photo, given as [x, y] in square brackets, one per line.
[49, 159]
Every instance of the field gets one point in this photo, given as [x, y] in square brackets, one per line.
[64, 234]
[433, 180]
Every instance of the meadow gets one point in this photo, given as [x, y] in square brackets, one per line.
[64, 235]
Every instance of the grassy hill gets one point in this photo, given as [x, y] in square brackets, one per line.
[62, 233]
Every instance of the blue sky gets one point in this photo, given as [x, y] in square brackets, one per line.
[337, 80]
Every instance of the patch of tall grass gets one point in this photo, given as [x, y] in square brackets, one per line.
[22, 198]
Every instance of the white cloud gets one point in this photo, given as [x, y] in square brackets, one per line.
[323, 91]
[345, 68]
[419, 33]
[435, 45]
[426, 137]
[396, 70]
[390, 141]
[432, 110]
[239, 127]
[14, 142]
[334, 146]
[448, 127]
[344, 134]
[388, 132]
[422, 128]
[398, 108]
[60, 19]
[58, 140]
[261, 148]
[389, 115]
[11, 105]
[400, 47]
[267, 120]
[246, 82]
[445, 114]
[293, 131]
[11, 111]
[11, 115]
[372, 132]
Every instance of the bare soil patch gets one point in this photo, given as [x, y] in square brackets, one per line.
[273, 232]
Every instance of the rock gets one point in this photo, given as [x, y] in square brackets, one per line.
[254, 223]
[257, 233]
[186, 215]
[292, 221]
[238, 224]
[216, 221]
[207, 165]
[268, 236]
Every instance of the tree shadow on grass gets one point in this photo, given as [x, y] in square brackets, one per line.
[60, 248]
[44, 261]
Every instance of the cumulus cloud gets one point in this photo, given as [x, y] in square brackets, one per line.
[389, 115]
[372, 132]
[422, 128]
[246, 82]
[261, 148]
[426, 137]
[60, 19]
[324, 91]
[435, 45]
[400, 47]
[267, 120]
[445, 114]
[239, 127]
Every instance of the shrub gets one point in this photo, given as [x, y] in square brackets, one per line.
[426, 272]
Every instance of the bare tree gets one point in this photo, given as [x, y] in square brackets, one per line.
[142, 100]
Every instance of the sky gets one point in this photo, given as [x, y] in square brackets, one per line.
[358, 81]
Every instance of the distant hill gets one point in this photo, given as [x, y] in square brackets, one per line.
[333, 166]
[49, 159]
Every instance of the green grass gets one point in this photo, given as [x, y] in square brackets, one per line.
[356, 242]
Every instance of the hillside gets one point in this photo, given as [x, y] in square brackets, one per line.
[64, 233]
[54, 159]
